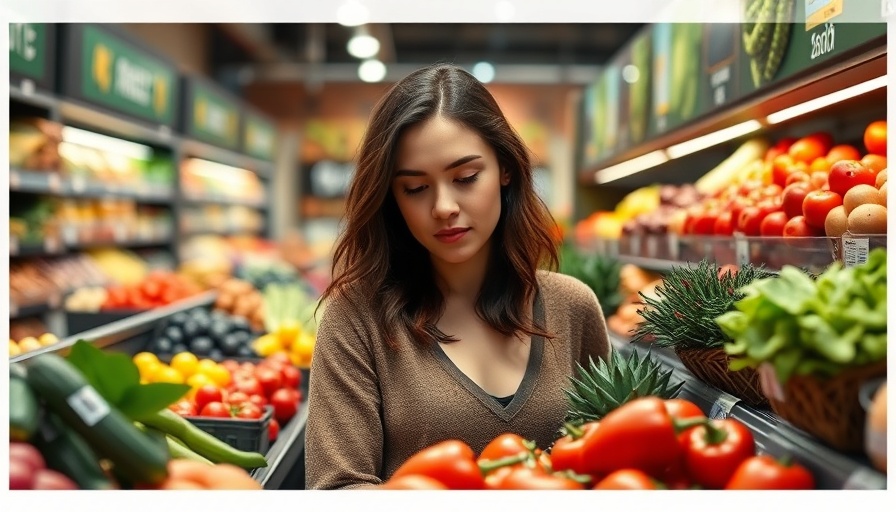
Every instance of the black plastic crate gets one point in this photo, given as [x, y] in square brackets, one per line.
[242, 434]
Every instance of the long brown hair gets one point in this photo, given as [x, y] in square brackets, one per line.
[377, 256]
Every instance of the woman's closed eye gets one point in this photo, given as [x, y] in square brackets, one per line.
[464, 181]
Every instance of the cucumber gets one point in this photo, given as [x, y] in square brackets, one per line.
[108, 432]
[23, 406]
[65, 451]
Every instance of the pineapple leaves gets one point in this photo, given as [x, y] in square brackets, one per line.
[607, 384]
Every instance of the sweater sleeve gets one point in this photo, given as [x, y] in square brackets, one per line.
[344, 433]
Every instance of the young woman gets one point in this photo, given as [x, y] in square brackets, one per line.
[440, 322]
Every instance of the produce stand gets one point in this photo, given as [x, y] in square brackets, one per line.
[832, 469]
[131, 335]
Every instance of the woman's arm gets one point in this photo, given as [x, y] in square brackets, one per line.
[344, 434]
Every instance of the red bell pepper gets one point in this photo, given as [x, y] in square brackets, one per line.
[566, 453]
[712, 452]
[638, 435]
[764, 472]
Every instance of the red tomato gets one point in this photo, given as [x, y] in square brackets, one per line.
[273, 430]
[258, 400]
[797, 177]
[772, 191]
[269, 379]
[292, 376]
[679, 408]
[875, 138]
[705, 223]
[249, 411]
[723, 225]
[797, 227]
[817, 204]
[286, 404]
[231, 365]
[773, 224]
[818, 180]
[249, 386]
[237, 398]
[751, 217]
[843, 152]
[782, 167]
[764, 472]
[505, 445]
[207, 394]
[627, 479]
[793, 198]
[846, 174]
[184, 408]
[216, 410]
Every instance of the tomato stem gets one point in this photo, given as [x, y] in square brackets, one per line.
[574, 431]
[487, 466]
[682, 424]
[715, 435]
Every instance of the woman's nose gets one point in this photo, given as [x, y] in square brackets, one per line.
[445, 205]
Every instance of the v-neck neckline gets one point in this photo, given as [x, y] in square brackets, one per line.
[527, 385]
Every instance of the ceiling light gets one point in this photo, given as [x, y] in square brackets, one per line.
[484, 72]
[827, 100]
[363, 46]
[372, 71]
[629, 167]
[711, 139]
[352, 13]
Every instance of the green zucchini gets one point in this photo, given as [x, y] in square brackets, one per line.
[108, 432]
[65, 451]
[23, 406]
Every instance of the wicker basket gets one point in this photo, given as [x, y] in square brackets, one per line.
[711, 366]
[829, 408]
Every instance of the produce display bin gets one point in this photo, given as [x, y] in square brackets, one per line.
[78, 322]
[243, 434]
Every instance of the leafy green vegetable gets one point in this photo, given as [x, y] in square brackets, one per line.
[819, 327]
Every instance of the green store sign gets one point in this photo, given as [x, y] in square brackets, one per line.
[213, 117]
[28, 49]
[116, 74]
[259, 136]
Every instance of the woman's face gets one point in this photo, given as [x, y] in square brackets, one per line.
[447, 185]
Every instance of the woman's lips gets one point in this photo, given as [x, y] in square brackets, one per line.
[450, 236]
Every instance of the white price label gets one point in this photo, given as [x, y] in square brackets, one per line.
[855, 251]
[27, 87]
[15, 180]
[721, 406]
[88, 405]
[69, 234]
[742, 252]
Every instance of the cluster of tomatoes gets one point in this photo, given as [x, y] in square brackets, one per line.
[273, 381]
[159, 288]
[648, 443]
[808, 178]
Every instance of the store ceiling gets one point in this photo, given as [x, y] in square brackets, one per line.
[266, 47]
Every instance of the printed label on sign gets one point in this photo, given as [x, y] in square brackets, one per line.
[742, 252]
[15, 180]
[768, 379]
[88, 405]
[721, 406]
[855, 251]
[820, 11]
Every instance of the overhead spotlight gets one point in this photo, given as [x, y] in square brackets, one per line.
[363, 46]
[372, 71]
[484, 72]
[352, 13]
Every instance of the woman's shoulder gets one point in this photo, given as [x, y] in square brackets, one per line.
[564, 288]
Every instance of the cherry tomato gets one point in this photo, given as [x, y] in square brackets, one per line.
[627, 479]
[259, 400]
[249, 411]
[184, 408]
[846, 174]
[206, 394]
[705, 223]
[273, 430]
[797, 227]
[216, 410]
[250, 386]
[875, 138]
[773, 224]
[782, 168]
[817, 204]
[286, 404]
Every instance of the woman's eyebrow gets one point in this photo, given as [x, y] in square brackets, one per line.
[452, 165]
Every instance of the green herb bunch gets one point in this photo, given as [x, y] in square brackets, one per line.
[599, 272]
[687, 302]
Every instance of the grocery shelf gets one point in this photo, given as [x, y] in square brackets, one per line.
[773, 435]
[121, 242]
[284, 456]
[222, 232]
[192, 147]
[51, 183]
[99, 119]
[223, 200]
[32, 97]
[50, 246]
[56, 246]
[33, 309]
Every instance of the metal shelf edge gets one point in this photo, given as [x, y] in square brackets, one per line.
[283, 454]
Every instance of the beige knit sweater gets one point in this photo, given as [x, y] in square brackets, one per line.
[371, 407]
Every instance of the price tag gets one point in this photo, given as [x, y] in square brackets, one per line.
[651, 246]
[15, 179]
[672, 240]
[742, 252]
[13, 245]
[721, 406]
[79, 184]
[54, 183]
[89, 405]
[27, 87]
[69, 235]
[52, 245]
[768, 379]
[855, 251]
